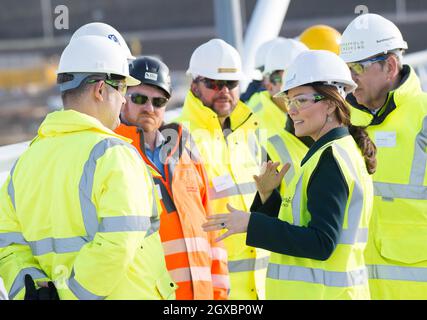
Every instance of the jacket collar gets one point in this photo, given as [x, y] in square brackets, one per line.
[206, 118]
[334, 134]
[70, 121]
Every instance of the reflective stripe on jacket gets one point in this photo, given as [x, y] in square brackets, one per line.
[195, 261]
[396, 253]
[78, 208]
[343, 275]
[230, 164]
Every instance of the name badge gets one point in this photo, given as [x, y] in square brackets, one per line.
[222, 183]
[385, 139]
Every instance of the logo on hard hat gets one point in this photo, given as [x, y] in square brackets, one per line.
[386, 39]
[352, 46]
[292, 79]
[114, 38]
[150, 76]
[227, 70]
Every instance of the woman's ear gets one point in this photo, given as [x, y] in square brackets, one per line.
[331, 107]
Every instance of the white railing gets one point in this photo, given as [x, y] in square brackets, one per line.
[8, 156]
[418, 60]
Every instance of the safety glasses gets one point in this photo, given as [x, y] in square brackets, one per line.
[157, 102]
[299, 102]
[361, 66]
[217, 85]
[119, 85]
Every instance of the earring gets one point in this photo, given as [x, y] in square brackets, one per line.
[328, 119]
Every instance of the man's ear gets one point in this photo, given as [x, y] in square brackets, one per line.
[195, 89]
[392, 66]
[98, 91]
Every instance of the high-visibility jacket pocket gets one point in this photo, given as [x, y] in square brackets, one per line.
[166, 286]
[408, 250]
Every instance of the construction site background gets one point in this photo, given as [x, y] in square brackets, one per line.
[30, 45]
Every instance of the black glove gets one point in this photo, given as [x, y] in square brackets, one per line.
[31, 293]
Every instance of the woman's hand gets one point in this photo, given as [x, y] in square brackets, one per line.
[269, 179]
[236, 222]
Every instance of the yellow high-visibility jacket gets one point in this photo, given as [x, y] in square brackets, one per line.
[230, 164]
[78, 209]
[396, 253]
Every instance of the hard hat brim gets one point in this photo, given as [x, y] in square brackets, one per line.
[232, 76]
[130, 57]
[131, 81]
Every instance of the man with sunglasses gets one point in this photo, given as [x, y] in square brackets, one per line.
[195, 261]
[224, 130]
[78, 206]
[390, 103]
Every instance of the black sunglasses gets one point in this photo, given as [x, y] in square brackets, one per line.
[217, 85]
[119, 85]
[157, 102]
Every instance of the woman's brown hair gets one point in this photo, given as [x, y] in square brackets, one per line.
[359, 134]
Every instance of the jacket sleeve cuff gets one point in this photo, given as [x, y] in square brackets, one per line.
[257, 222]
[271, 207]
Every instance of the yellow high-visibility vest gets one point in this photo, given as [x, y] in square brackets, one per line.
[343, 275]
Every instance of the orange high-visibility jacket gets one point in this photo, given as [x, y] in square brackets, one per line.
[195, 261]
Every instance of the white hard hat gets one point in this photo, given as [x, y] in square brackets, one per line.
[216, 59]
[319, 66]
[368, 35]
[260, 57]
[281, 54]
[93, 55]
[103, 30]
[262, 50]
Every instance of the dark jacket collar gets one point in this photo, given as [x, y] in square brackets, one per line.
[334, 134]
